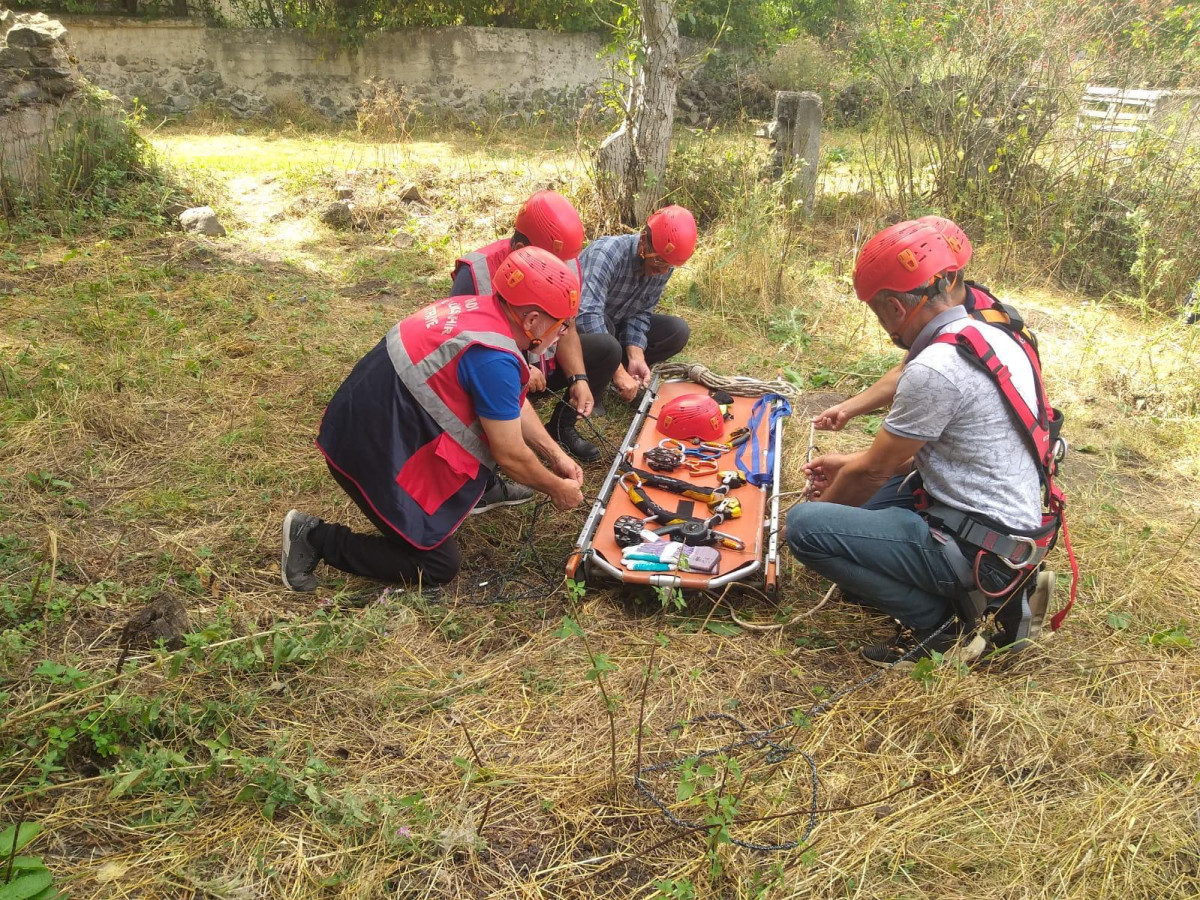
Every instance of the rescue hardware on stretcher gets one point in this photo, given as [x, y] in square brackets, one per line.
[716, 499]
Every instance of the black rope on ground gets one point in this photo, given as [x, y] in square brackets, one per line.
[495, 585]
[776, 752]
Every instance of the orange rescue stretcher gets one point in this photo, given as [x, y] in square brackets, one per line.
[597, 553]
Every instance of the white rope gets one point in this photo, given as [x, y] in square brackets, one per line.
[738, 385]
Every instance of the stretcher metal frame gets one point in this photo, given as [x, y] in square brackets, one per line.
[584, 562]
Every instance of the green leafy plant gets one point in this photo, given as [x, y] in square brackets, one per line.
[669, 595]
[1175, 637]
[23, 877]
[675, 889]
[600, 666]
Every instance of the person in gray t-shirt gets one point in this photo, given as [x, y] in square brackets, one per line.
[949, 426]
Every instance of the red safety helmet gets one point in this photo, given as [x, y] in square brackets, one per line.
[550, 221]
[672, 234]
[960, 244]
[531, 276]
[903, 258]
[691, 416]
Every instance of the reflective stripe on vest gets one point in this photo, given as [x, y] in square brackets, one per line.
[486, 260]
[478, 264]
[415, 377]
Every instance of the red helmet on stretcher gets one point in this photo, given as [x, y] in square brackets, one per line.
[691, 417]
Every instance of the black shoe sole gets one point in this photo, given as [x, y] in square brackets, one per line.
[287, 547]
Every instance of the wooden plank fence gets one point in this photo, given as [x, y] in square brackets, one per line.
[1118, 110]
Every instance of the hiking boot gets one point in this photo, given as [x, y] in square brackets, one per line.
[299, 558]
[562, 429]
[907, 647]
[502, 492]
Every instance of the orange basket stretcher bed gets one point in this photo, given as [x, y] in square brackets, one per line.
[597, 553]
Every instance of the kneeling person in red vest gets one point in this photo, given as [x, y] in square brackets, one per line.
[416, 432]
[547, 220]
[942, 517]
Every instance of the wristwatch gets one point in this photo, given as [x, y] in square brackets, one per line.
[571, 379]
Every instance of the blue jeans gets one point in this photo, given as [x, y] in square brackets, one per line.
[886, 558]
[897, 492]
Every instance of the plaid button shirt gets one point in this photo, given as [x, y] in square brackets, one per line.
[616, 296]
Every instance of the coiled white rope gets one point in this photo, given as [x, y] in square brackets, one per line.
[738, 385]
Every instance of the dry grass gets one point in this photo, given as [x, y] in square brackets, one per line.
[175, 384]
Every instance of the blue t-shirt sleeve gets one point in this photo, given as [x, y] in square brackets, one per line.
[493, 379]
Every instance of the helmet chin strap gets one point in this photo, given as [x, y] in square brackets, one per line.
[908, 316]
[934, 286]
[534, 342]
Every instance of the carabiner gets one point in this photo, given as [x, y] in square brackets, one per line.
[705, 452]
[700, 466]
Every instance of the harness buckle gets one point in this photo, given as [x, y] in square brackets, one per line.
[1032, 546]
[1059, 450]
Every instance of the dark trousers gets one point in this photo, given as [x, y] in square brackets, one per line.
[385, 556]
[601, 356]
[602, 353]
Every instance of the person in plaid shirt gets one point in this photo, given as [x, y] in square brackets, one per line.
[623, 279]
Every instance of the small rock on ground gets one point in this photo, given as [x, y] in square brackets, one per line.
[201, 220]
[164, 619]
[338, 214]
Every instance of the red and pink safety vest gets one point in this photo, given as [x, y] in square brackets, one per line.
[484, 262]
[403, 428]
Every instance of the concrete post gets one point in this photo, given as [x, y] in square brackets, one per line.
[797, 135]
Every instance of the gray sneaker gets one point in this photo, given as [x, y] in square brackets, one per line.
[1019, 619]
[299, 558]
[503, 492]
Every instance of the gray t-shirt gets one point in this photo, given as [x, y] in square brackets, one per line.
[974, 458]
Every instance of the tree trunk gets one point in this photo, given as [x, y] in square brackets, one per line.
[632, 161]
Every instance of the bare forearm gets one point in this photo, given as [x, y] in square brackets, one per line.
[857, 482]
[535, 434]
[570, 352]
[878, 395]
[522, 465]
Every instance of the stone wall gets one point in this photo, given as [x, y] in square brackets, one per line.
[173, 66]
[38, 87]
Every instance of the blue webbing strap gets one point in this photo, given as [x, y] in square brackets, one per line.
[782, 408]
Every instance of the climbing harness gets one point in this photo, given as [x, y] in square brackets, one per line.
[1041, 430]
